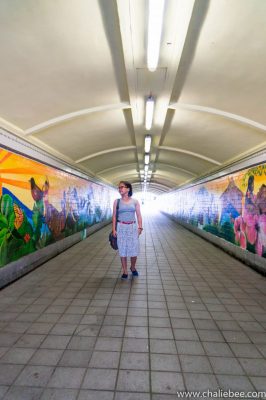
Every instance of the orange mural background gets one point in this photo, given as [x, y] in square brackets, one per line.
[40, 204]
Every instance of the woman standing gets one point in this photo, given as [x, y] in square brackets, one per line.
[128, 229]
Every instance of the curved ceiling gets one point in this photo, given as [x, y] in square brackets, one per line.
[74, 81]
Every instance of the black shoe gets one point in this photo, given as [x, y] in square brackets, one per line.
[124, 277]
[134, 272]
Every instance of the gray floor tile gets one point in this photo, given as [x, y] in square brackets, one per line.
[59, 394]
[165, 362]
[3, 390]
[196, 364]
[23, 393]
[189, 347]
[108, 344]
[100, 379]
[217, 349]
[161, 333]
[63, 329]
[245, 350]
[136, 345]
[235, 383]
[205, 324]
[104, 359]
[8, 373]
[134, 361]
[112, 331]
[17, 327]
[235, 337]
[8, 339]
[87, 330]
[162, 346]
[17, 356]
[95, 395]
[34, 376]
[210, 335]
[166, 382]
[66, 378]
[32, 341]
[226, 365]
[200, 382]
[137, 321]
[254, 367]
[262, 349]
[164, 397]
[46, 357]
[115, 320]
[185, 334]
[81, 343]
[131, 396]
[259, 383]
[56, 342]
[129, 380]
[258, 338]
[75, 358]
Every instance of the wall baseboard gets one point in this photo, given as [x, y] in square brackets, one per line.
[252, 260]
[18, 268]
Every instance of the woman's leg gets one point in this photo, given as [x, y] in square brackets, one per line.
[124, 264]
[133, 263]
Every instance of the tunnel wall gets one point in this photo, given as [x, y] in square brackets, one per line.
[228, 210]
[44, 210]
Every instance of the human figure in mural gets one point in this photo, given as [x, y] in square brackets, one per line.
[128, 229]
[250, 197]
[261, 199]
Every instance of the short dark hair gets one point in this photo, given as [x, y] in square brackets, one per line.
[129, 186]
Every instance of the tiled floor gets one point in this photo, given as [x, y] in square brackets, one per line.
[194, 320]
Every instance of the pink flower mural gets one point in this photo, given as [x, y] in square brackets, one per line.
[251, 227]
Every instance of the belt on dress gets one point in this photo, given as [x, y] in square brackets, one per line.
[127, 222]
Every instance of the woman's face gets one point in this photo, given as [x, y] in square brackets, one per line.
[122, 188]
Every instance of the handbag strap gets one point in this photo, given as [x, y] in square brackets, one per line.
[117, 207]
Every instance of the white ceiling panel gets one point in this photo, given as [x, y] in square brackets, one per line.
[74, 81]
[88, 135]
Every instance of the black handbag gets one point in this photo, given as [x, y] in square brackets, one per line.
[113, 241]
[112, 238]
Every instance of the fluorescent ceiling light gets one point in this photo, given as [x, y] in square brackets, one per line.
[149, 112]
[146, 159]
[147, 145]
[156, 8]
[146, 167]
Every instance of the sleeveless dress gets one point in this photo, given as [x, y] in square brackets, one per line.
[127, 234]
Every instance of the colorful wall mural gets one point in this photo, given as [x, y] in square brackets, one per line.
[40, 205]
[232, 207]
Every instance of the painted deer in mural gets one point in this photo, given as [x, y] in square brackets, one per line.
[54, 219]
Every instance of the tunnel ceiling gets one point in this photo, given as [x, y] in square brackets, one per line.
[74, 81]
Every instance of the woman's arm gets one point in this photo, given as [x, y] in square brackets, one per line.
[139, 218]
[114, 218]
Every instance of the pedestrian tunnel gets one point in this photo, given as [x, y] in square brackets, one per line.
[91, 95]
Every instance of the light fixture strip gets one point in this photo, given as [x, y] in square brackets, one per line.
[146, 159]
[147, 144]
[156, 11]
[149, 112]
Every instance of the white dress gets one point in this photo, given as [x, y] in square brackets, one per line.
[127, 234]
